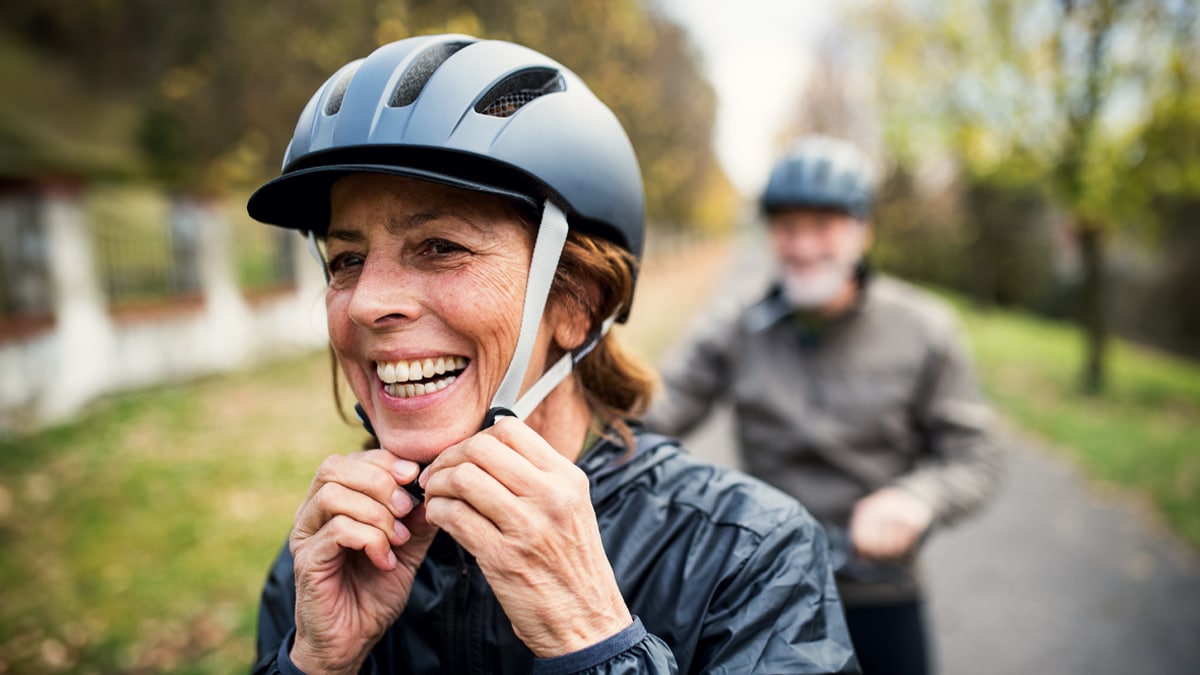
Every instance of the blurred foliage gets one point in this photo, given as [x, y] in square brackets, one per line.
[1036, 148]
[202, 96]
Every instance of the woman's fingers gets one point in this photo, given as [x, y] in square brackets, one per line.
[496, 459]
[362, 489]
[493, 500]
[323, 550]
[371, 473]
[528, 443]
[512, 454]
[333, 500]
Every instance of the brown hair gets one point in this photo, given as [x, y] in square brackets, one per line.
[596, 277]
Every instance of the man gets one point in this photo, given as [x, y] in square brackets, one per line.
[851, 391]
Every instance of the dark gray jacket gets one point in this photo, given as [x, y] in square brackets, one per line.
[723, 573]
[884, 395]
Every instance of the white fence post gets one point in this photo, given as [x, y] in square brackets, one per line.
[78, 368]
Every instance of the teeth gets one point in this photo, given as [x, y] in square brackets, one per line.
[409, 390]
[418, 369]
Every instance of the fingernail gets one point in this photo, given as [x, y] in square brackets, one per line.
[400, 530]
[401, 502]
[392, 561]
[403, 469]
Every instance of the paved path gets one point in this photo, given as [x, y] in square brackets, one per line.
[1052, 577]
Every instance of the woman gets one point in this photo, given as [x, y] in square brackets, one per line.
[479, 214]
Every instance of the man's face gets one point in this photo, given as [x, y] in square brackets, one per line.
[817, 252]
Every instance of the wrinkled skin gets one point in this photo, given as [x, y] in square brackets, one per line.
[422, 270]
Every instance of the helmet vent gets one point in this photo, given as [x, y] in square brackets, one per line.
[515, 91]
[334, 103]
[420, 70]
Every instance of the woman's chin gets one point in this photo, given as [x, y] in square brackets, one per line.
[421, 445]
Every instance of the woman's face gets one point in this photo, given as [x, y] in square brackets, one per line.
[425, 277]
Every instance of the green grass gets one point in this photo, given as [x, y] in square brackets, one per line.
[136, 539]
[1142, 434]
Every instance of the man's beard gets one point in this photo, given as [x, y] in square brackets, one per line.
[817, 288]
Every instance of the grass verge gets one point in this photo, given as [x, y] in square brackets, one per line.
[1142, 434]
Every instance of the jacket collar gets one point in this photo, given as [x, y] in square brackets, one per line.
[611, 465]
[774, 308]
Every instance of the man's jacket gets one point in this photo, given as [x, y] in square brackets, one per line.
[884, 395]
[722, 573]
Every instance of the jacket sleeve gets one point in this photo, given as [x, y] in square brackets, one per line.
[778, 613]
[276, 615]
[693, 376]
[781, 613]
[633, 651]
[962, 465]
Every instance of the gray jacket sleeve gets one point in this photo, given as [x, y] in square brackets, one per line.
[693, 377]
[962, 464]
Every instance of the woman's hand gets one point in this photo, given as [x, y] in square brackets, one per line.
[357, 544]
[524, 511]
[888, 524]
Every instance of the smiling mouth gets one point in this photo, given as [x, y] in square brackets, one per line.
[406, 379]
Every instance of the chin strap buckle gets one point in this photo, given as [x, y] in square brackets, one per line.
[494, 414]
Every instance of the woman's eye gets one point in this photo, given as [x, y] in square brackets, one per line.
[442, 247]
[342, 262]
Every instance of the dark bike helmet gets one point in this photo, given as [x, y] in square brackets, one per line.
[821, 172]
[479, 114]
[483, 115]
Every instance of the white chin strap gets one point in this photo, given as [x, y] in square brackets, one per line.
[547, 249]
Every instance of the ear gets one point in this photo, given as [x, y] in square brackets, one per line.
[570, 324]
[868, 235]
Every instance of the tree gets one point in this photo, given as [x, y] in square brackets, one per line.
[1032, 92]
[206, 93]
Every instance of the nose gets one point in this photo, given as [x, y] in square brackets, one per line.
[799, 242]
[385, 294]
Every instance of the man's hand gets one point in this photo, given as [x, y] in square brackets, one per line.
[888, 524]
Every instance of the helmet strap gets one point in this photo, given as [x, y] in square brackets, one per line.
[547, 249]
[314, 249]
[555, 374]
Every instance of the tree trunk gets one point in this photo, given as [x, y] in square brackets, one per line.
[1093, 306]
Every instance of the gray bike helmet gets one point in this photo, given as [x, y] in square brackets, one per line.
[821, 172]
[478, 114]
